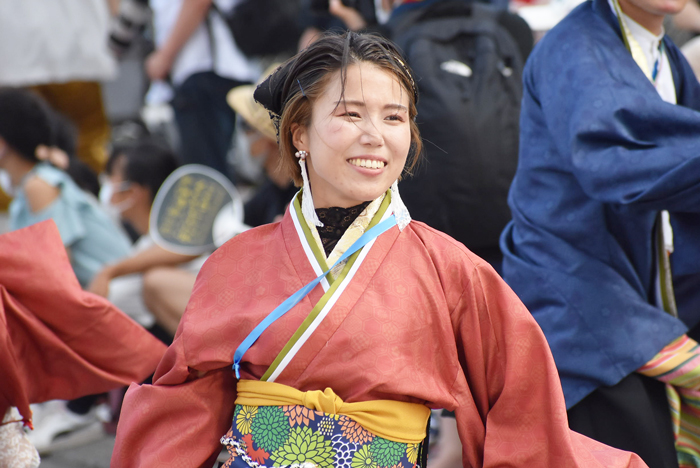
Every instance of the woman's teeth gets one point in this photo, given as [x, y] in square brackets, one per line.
[369, 163]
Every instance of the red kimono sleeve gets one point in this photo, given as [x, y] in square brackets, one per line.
[177, 421]
[510, 375]
[56, 340]
[180, 419]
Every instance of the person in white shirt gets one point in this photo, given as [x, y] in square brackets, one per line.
[197, 55]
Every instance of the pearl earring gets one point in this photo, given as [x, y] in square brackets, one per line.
[307, 203]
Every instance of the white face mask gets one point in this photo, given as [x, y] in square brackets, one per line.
[107, 190]
[6, 183]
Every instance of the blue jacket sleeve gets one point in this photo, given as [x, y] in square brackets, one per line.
[624, 143]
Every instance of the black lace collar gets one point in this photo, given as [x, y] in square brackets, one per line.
[335, 222]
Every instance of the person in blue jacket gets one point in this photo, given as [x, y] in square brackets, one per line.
[607, 185]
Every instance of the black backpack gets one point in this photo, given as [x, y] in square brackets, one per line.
[264, 27]
[468, 69]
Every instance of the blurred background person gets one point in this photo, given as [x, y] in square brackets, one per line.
[31, 170]
[684, 29]
[59, 49]
[271, 197]
[197, 57]
[43, 191]
[152, 285]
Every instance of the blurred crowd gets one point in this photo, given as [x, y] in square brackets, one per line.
[102, 100]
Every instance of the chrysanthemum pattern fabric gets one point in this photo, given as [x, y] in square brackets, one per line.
[267, 436]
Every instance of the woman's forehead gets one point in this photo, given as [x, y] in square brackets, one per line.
[363, 81]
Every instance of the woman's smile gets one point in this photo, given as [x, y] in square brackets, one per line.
[367, 163]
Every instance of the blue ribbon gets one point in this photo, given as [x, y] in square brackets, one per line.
[294, 299]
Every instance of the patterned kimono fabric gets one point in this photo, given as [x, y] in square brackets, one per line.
[276, 425]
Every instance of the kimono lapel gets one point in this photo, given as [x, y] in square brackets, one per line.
[303, 262]
[602, 8]
[613, 43]
[316, 259]
[342, 294]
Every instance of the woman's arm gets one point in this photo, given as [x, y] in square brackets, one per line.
[189, 407]
[510, 375]
[154, 256]
[181, 417]
[192, 14]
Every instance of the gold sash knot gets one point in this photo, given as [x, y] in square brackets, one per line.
[398, 421]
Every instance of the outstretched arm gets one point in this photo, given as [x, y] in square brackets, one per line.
[510, 375]
[181, 417]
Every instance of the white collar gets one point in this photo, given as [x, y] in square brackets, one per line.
[648, 41]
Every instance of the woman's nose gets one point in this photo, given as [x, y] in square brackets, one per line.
[371, 135]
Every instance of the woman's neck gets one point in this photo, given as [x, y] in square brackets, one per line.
[652, 22]
[336, 221]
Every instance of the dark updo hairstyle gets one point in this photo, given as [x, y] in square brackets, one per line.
[25, 122]
[290, 92]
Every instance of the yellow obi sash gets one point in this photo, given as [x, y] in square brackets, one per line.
[397, 421]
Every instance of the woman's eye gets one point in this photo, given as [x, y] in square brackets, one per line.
[351, 114]
[395, 117]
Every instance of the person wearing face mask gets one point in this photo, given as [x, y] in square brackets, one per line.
[42, 191]
[276, 191]
[152, 285]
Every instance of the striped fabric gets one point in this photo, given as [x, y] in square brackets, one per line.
[678, 365]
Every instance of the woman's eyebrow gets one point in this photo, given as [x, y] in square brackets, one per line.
[398, 107]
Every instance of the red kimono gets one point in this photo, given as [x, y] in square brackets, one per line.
[422, 320]
[56, 340]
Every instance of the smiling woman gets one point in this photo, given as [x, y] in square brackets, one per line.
[392, 317]
[358, 138]
[357, 103]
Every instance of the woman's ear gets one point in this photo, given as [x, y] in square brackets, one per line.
[300, 137]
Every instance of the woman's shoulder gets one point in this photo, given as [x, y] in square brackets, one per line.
[456, 266]
[40, 192]
[441, 246]
[46, 183]
[251, 243]
[256, 235]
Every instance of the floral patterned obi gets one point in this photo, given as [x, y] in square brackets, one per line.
[299, 437]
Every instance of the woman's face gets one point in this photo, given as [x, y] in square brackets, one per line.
[358, 142]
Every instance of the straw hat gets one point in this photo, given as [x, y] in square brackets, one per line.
[241, 100]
